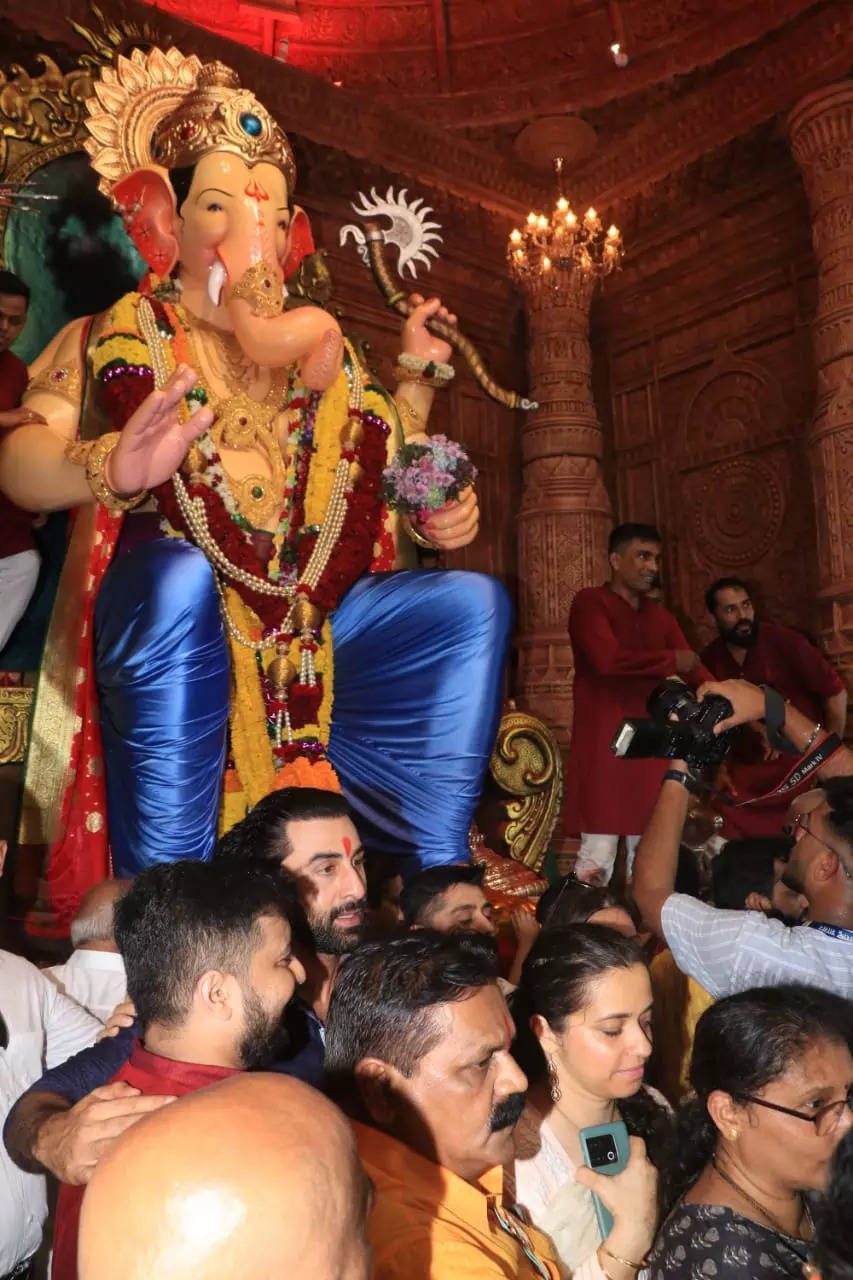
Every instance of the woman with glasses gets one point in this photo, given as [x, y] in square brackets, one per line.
[773, 1078]
[583, 1015]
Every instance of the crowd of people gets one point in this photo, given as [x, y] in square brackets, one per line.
[292, 1073]
[289, 1057]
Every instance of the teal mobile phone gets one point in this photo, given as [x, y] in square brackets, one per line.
[605, 1149]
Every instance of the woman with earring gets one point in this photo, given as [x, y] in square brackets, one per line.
[773, 1078]
[583, 1025]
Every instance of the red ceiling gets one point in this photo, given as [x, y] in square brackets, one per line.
[478, 63]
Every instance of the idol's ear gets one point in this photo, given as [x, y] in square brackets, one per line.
[300, 241]
[146, 201]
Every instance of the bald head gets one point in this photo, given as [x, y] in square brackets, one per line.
[92, 925]
[257, 1176]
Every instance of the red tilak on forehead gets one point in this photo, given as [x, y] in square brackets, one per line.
[508, 1028]
[347, 846]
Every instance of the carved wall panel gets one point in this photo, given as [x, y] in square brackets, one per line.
[711, 387]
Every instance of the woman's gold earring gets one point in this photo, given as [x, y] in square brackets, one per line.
[733, 1133]
[553, 1081]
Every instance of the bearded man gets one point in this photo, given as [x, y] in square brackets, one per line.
[766, 653]
[211, 969]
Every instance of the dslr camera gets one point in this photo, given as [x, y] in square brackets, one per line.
[680, 728]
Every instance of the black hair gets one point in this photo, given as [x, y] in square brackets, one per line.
[14, 286]
[832, 1251]
[385, 996]
[263, 831]
[723, 584]
[743, 867]
[571, 901]
[741, 1044]
[555, 983]
[179, 919]
[624, 534]
[418, 899]
[839, 820]
[381, 868]
[181, 180]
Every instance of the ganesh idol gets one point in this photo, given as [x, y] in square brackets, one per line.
[238, 610]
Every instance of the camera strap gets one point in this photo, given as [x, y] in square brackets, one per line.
[832, 930]
[801, 771]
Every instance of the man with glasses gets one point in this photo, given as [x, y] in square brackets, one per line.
[729, 951]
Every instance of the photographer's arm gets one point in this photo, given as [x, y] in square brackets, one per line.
[656, 862]
[748, 705]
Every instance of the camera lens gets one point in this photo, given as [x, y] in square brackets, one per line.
[602, 1150]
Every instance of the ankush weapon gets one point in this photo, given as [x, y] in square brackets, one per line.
[415, 236]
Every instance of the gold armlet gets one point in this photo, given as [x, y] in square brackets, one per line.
[413, 423]
[418, 538]
[59, 380]
[96, 461]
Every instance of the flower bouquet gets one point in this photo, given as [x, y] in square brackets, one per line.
[426, 475]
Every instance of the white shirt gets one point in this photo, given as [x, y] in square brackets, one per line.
[95, 979]
[730, 951]
[45, 1028]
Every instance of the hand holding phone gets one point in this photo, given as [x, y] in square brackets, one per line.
[605, 1150]
[623, 1182]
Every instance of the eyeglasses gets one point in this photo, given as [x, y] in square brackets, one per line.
[825, 1121]
[798, 823]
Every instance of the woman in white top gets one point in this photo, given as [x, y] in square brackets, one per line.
[583, 1023]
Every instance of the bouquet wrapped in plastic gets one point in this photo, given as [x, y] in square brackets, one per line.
[426, 475]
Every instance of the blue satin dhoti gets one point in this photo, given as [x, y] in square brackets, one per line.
[418, 656]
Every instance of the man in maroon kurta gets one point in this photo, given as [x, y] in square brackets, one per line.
[19, 556]
[207, 948]
[766, 653]
[624, 644]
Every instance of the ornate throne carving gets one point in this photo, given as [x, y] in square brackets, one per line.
[521, 803]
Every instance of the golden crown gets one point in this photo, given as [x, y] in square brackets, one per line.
[165, 106]
[219, 115]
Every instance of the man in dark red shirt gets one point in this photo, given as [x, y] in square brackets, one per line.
[19, 557]
[210, 969]
[623, 644]
[766, 653]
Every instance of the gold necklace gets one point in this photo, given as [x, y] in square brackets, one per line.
[765, 1213]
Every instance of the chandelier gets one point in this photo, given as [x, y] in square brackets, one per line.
[545, 249]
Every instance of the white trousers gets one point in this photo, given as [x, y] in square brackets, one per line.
[18, 577]
[597, 854]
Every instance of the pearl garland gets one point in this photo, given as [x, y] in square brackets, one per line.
[195, 515]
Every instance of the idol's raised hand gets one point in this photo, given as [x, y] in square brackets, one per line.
[417, 339]
[155, 441]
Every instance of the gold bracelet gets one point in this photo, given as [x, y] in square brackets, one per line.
[412, 422]
[418, 538]
[435, 381]
[77, 451]
[632, 1266]
[96, 462]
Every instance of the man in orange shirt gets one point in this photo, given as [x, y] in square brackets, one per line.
[417, 1044]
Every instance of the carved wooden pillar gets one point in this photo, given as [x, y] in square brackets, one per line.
[565, 513]
[821, 134]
